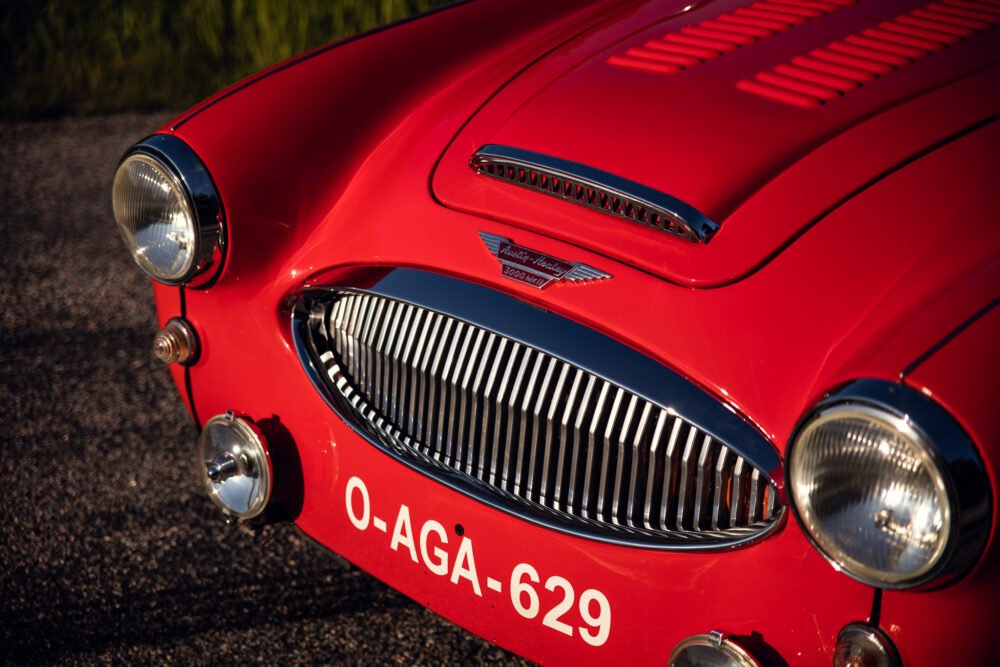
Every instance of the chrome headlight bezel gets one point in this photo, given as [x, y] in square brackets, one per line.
[955, 459]
[185, 170]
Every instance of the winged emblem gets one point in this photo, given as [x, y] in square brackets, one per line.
[534, 268]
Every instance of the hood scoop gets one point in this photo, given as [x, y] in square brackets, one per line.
[764, 125]
[592, 187]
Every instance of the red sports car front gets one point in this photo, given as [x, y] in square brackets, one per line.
[611, 331]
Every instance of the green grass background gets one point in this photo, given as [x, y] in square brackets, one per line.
[82, 57]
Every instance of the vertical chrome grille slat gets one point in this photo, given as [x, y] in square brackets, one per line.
[460, 404]
[737, 499]
[671, 463]
[354, 332]
[368, 341]
[686, 483]
[423, 380]
[435, 440]
[336, 327]
[403, 383]
[433, 423]
[619, 463]
[636, 468]
[609, 448]
[396, 388]
[413, 370]
[593, 445]
[488, 407]
[756, 493]
[720, 503]
[503, 393]
[564, 440]
[551, 435]
[479, 404]
[373, 356]
[703, 484]
[344, 334]
[513, 431]
[532, 427]
[390, 361]
[447, 396]
[528, 436]
[566, 495]
[357, 328]
[655, 449]
[388, 331]
[772, 504]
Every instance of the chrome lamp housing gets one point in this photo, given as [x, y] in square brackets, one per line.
[168, 211]
[236, 466]
[888, 487]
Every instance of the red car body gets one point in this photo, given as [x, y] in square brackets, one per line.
[857, 238]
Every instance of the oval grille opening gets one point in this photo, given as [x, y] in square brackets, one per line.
[527, 431]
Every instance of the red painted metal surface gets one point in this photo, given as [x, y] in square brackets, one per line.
[848, 249]
[714, 37]
[960, 376]
[911, 36]
[698, 137]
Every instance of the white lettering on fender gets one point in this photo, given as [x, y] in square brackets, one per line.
[403, 533]
[440, 567]
[465, 566]
[355, 484]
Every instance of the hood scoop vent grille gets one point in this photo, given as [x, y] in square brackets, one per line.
[593, 188]
[727, 32]
[847, 64]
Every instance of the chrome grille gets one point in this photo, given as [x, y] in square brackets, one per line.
[529, 431]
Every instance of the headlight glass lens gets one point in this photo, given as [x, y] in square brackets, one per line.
[867, 488]
[154, 216]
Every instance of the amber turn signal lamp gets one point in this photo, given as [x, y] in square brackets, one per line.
[176, 343]
[861, 645]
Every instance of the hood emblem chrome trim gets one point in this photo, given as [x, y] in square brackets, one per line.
[531, 267]
[594, 188]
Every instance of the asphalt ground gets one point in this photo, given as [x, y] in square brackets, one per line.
[110, 551]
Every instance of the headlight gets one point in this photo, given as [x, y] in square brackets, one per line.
[872, 476]
[167, 210]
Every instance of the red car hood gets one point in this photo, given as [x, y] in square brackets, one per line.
[763, 130]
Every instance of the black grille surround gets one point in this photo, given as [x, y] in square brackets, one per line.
[464, 384]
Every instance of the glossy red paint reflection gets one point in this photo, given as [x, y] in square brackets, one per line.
[854, 237]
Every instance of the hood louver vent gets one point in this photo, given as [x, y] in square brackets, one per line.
[716, 37]
[847, 64]
[591, 187]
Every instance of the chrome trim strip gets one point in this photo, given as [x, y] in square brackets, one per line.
[594, 188]
[540, 344]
